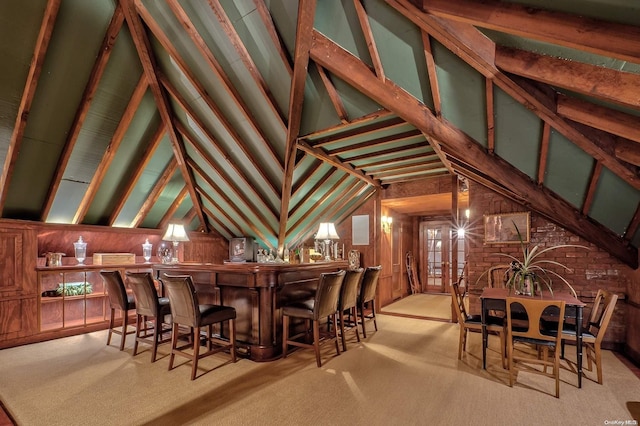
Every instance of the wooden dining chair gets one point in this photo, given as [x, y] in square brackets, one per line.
[474, 323]
[594, 331]
[522, 334]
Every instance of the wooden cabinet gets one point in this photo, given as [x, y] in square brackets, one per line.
[72, 297]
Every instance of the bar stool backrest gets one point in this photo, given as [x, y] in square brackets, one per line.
[327, 294]
[350, 287]
[184, 302]
[144, 290]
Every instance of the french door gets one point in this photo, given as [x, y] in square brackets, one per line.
[435, 265]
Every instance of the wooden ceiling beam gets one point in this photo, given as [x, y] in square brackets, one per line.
[365, 26]
[309, 192]
[238, 211]
[604, 83]
[156, 191]
[175, 205]
[433, 74]
[28, 94]
[245, 57]
[459, 38]
[592, 35]
[358, 132]
[99, 66]
[607, 119]
[334, 96]
[265, 15]
[544, 152]
[379, 115]
[491, 125]
[141, 42]
[306, 15]
[378, 142]
[335, 162]
[394, 98]
[255, 199]
[382, 163]
[132, 180]
[393, 151]
[178, 59]
[111, 151]
[308, 174]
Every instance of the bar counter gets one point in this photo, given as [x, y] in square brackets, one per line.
[257, 291]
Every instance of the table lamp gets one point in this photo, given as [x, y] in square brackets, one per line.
[326, 233]
[175, 233]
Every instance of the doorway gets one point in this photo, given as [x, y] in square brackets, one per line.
[436, 242]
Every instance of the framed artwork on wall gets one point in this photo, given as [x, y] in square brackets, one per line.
[504, 227]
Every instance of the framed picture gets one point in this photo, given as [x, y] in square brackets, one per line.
[504, 227]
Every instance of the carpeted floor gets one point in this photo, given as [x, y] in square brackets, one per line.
[407, 373]
[422, 305]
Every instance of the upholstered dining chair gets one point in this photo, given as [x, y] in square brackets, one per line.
[593, 333]
[348, 301]
[531, 331]
[149, 307]
[324, 304]
[120, 300]
[186, 311]
[474, 323]
[367, 296]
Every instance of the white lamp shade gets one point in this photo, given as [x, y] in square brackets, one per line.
[327, 231]
[175, 232]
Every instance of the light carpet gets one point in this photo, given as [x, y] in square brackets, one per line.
[422, 305]
[407, 373]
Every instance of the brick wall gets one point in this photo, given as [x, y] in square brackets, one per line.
[590, 269]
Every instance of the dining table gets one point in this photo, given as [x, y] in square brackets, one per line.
[495, 299]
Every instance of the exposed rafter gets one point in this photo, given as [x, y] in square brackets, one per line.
[353, 71]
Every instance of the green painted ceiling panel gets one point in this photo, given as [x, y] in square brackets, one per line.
[357, 139]
[143, 187]
[17, 42]
[462, 90]
[219, 44]
[164, 202]
[401, 51]
[518, 133]
[251, 212]
[319, 112]
[338, 21]
[74, 44]
[66, 203]
[246, 181]
[109, 103]
[143, 127]
[264, 54]
[615, 202]
[568, 170]
[355, 103]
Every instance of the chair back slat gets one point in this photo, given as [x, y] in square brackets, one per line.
[603, 308]
[532, 326]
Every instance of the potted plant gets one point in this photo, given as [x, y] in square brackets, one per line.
[525, 275]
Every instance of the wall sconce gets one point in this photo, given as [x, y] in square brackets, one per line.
[326, 233]
[175, 233]
[387, 221]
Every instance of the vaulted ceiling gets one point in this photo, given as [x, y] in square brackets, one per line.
[265, 117]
